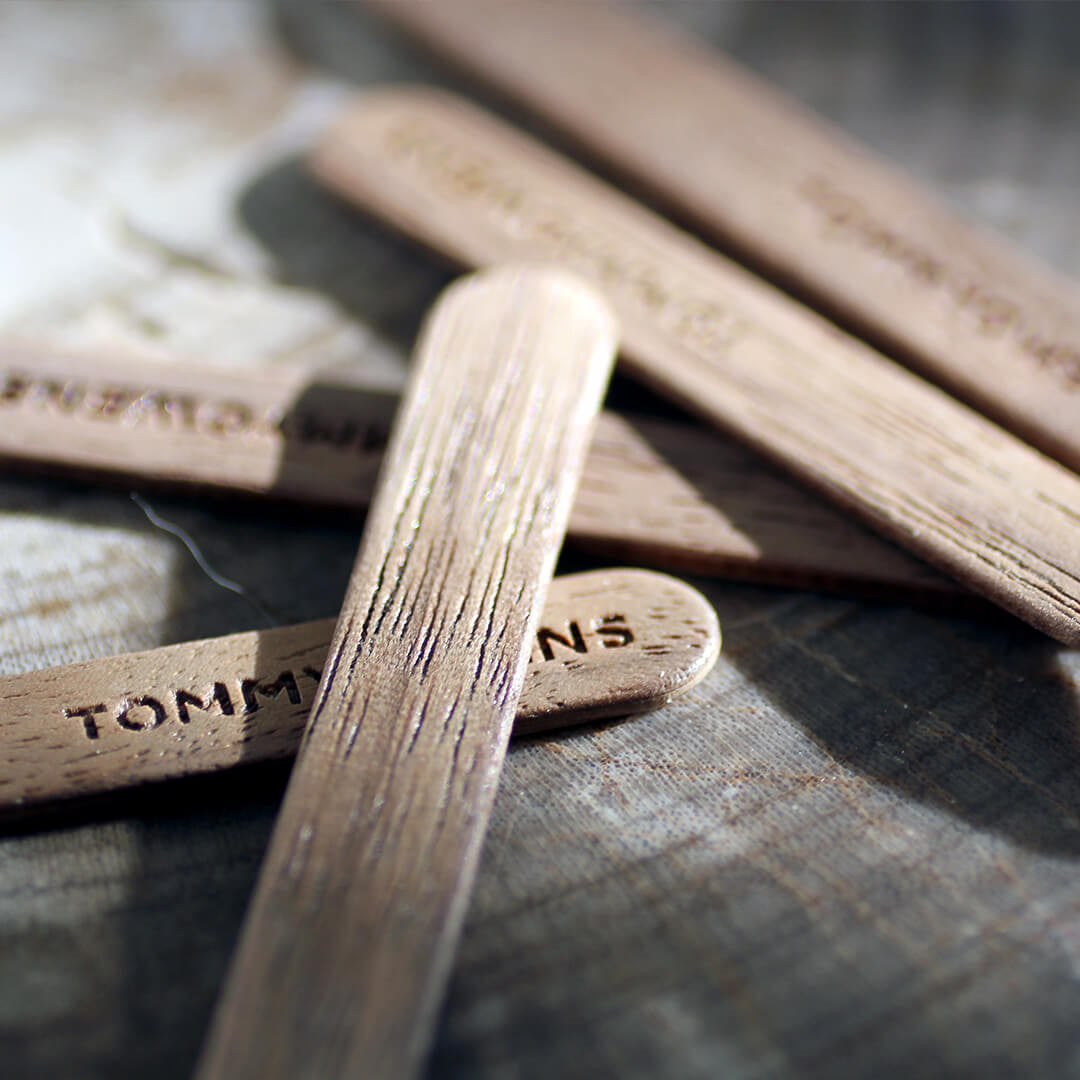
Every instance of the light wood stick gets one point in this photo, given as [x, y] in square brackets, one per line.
[346, 947]
[312, 437]
[911, 461]
[610, 643]
[757, 171]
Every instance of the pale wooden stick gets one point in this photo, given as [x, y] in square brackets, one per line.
[346, 947]
[312, 437]
[914, 463]
[754, 169]
[610, 643]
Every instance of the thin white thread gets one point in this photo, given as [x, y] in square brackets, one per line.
[218, 579]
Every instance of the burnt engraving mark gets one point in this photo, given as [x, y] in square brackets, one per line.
[674, 301]
[285, 681]
[611, 631]
[164, 410]
[505, 194]
[994, 315]
[87, 715]
[546, 637]
[132, 713]
[147, 712]
[219, 696]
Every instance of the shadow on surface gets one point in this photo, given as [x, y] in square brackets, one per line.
[153, 921]
[979, 720]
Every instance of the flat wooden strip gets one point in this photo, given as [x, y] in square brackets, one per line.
[609, 643]
[686, 498]
[911, 461]
[347, 944]
[757, 171]
[312, 437]
[306, 435]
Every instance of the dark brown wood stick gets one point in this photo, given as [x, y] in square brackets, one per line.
[346, 947]
[610, 643]
[756, 170]
[910, 460]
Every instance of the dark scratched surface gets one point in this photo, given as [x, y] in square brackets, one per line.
[853, 851]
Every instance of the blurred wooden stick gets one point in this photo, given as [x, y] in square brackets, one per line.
[759, 173]
[316, 438]
[911, 461]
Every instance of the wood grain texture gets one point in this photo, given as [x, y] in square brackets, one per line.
[911, 461]
[316, 438]
[755, 170]
[849, 852]
[609, 643]
[687, 498]
[347, 945]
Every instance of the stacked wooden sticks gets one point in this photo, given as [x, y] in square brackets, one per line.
[351, 931]
[908, 459]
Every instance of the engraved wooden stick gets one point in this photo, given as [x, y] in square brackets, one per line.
[348, 941]
[714, 507]
[911, 461]
[610, 643]
[756, 170]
